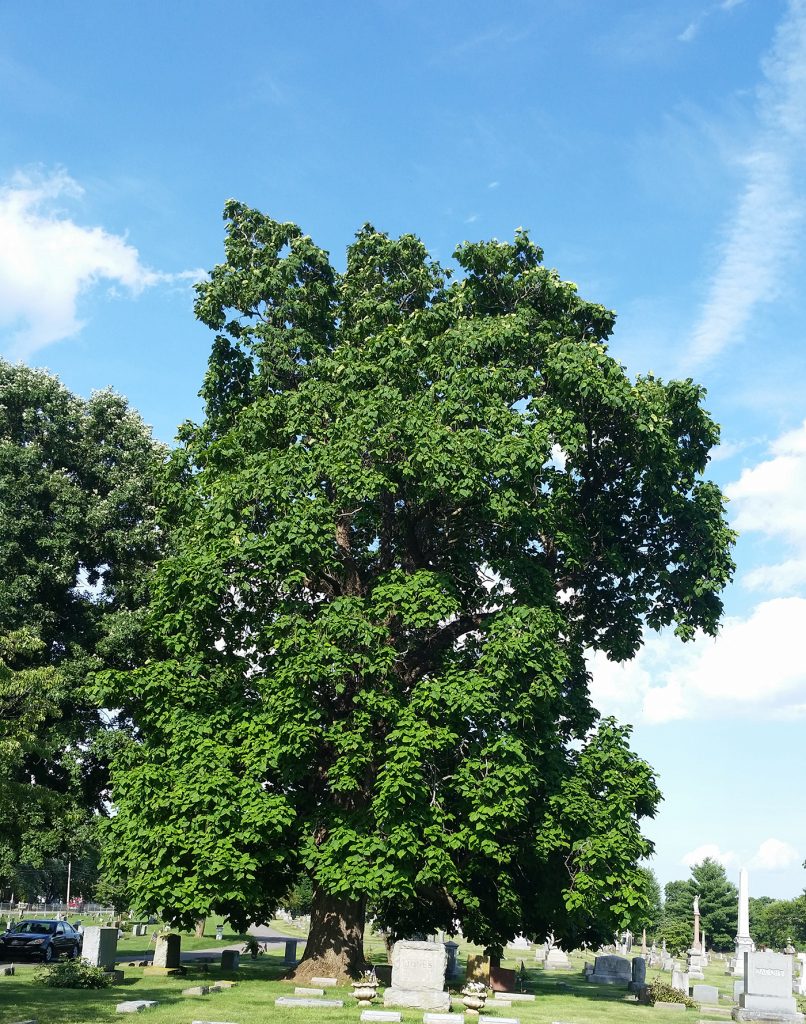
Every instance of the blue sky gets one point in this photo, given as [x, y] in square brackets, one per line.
[656, 151]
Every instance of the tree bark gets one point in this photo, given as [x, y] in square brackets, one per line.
[335, 946]
[200, 923]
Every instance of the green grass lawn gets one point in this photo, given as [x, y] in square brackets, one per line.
[560, 997]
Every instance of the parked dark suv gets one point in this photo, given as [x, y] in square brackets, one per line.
[45, 940]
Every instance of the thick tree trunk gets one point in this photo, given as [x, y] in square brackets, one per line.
[200, 923]
[335, 946]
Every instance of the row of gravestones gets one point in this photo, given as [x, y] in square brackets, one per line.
[419, 971]
[767, 985]
[100, 948]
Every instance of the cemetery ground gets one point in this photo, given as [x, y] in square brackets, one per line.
[560, 996]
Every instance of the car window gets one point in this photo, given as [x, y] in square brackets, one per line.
[60, 929]
[36, 927]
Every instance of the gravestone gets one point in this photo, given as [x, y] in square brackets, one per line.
[800, 984]
[418, 977]
[520, 942]
[680, 980]
[100, 947]
[300, 1001]
[135, 1005]
[767, 991]
[502, 979]
[452, 970]
[290, 959]
[382, 1016]
[166, 955]
[738, 988]
[478, 969]
[556, 960]
[705, 994]
[611, 970]
[638, 973]
[308, 991]
[230, 959]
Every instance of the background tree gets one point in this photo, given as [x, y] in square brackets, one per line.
[719, 904]
[299, 898]
[412, 505]
[774, 923]
[77, 538]
[678, 916]
[650, 916]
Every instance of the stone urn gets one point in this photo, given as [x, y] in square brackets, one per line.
[474, 997]
[365, 989]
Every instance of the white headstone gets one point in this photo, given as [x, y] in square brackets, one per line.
[557, 960]
[294, 1001]
[100, 946]
[800, 984]
[418, 976]
[767, 988]
[705, 994]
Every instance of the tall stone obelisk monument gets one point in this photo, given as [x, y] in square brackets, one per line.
[744, 944]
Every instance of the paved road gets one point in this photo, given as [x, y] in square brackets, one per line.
[262, 932]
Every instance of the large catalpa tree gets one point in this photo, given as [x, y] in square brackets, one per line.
[413, 504]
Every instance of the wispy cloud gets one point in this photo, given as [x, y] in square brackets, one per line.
[494, 37]
[690, 31]
[494, 184]
[47, 261]
[765, 228]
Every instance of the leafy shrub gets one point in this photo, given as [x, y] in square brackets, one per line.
[662, 992]
[73, 974]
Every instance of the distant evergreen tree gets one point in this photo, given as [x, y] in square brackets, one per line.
[719, 904]
[678, 917]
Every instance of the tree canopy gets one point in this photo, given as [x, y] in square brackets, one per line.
[77, 536]
[417, 497]
[719, 908]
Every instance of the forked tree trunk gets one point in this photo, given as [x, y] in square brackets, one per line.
[335, 946]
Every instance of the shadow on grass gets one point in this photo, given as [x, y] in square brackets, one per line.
[21, 998]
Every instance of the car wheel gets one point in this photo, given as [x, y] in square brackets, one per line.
[74, 952]
[47, 954]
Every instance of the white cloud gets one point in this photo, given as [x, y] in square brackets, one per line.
[775, 855]
[494, 184]
[769, 498]
[765, 228]
[689, 32]
[48, 261]
[753, 668]
[712, 850]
